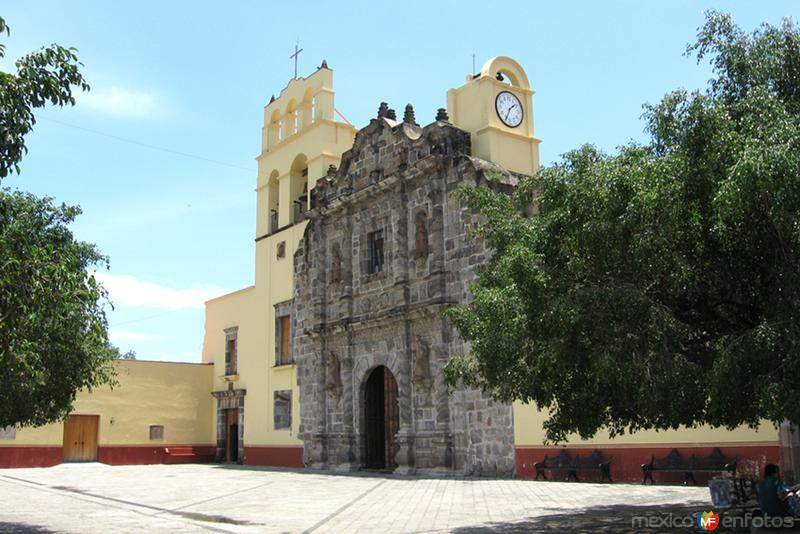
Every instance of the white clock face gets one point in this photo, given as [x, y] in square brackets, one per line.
[509, 109]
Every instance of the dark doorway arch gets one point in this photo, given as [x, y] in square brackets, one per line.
[381, 419]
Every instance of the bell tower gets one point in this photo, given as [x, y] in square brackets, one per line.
[496, 107]
[299, 140]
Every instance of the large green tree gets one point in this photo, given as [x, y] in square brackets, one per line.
[53, 338]
[658, 286]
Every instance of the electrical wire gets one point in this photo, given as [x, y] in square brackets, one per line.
[147, 145]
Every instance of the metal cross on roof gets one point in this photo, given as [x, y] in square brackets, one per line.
[297, 51]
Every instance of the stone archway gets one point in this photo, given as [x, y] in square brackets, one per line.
[381, 420]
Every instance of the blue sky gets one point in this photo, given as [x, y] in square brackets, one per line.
[191, 78]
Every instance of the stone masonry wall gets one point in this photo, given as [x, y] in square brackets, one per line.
[350, 318]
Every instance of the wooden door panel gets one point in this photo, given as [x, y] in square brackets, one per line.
[391, 418]
[232, 435]
[80, 438]
[72, 442]
[89, 437]
[285, 357]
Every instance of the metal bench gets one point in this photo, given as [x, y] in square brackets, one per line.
[675, 463]
[572, 464]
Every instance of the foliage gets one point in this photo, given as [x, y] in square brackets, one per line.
[119, 355]
[659, 286]
[53, 339]
[47, 75]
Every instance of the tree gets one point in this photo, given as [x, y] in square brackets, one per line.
[47, 75]
[659, 286]
[119, 355]
[53, 338]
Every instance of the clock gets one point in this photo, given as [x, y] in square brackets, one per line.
[509, 109]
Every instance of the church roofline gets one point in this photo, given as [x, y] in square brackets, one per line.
[231, 294]
[168, 362]
[299, 79]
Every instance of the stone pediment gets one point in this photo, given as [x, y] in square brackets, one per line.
[386, 147]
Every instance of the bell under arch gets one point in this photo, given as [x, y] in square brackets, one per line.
[508, 67]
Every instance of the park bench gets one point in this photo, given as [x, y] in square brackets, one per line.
[572, 464]
[675, 463]
[180, 455]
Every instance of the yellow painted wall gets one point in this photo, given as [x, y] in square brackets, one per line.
[472, 108]
[252, 311]
[314, 137]
[275, 284]
[175, 395]
[528, 431]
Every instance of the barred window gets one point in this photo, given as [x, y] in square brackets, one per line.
[156, 432]
[375, 244]
[231, 350]
[282, 404]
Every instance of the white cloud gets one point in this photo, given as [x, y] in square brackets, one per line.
[130, 291]
[120, 336]
[121, 102]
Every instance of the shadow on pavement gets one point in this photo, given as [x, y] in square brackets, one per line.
[360, 473]
[621, 518]
[20, 528]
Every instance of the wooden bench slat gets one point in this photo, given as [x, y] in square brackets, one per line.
[572, 464]
[673, 462]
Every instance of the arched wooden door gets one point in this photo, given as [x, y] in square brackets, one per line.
[381, 420]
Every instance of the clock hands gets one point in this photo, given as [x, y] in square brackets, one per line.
[509, 112]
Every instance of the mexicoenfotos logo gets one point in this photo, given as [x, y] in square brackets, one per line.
[708, 521]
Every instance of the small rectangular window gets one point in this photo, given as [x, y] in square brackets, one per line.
[375, 243]
[231, 349]
[8, 432]
[282, 407]
[156, 432]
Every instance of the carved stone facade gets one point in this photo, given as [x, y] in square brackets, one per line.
[350, 318]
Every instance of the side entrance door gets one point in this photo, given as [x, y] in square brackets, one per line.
[80, 438]
[232, 437]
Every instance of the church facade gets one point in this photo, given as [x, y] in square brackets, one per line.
[332, 359]
[360, 246]
[386, 251]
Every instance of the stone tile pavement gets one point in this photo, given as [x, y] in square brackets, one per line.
[90, 498]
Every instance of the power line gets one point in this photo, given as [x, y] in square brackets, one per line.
[140, 319]
[146, 145]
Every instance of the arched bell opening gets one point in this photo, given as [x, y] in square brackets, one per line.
[273, 200]
[298, 187]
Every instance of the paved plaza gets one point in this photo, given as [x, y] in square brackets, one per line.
[89, 498]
